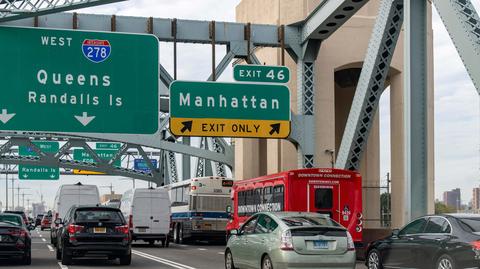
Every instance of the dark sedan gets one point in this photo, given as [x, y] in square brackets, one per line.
[435, 242]
[15, 241]
[93, 231]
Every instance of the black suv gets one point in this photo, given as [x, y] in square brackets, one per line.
[93, 231]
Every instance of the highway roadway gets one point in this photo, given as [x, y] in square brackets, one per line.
[197, 256]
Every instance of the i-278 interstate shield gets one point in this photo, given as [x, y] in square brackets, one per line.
[229, 109]
[76, 81]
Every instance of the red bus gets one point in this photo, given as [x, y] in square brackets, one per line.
[335, 192]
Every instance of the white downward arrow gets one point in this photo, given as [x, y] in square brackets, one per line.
[85, 119]
[5, 117]
[25, 175]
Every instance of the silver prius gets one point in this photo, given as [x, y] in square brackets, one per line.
[283, 240]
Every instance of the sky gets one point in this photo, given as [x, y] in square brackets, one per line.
[457, 104]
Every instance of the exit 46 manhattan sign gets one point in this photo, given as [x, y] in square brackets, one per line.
[229, 109]
[76, 81]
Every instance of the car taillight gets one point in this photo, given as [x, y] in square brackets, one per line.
[350, 244]
[123, 229]
[475, 245]
[18, 233]
[130, 221]
[286, 241]
[73, 229]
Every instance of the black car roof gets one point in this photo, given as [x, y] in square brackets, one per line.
[95, 207]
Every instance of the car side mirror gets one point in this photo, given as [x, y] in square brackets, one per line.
[58, 221]
[234, 232]
[395, 232]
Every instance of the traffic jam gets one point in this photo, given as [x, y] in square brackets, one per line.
[307, 218]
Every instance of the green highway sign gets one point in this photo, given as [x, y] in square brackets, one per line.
[77, 81]
[229, 109]
[30, 172]
[82, 155]
[107, 145]
[261, 73]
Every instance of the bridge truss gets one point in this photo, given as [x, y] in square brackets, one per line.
[302, 41]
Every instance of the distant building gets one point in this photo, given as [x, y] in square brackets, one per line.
[476, 199]
[111, 196]
[453, 199]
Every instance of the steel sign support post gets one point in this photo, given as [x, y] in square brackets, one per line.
[415, 119]
[371, 84]
[463, 24]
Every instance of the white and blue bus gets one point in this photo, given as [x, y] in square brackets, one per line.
[199, 208]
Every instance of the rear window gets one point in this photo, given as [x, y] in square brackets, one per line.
[323, 198]
[302, 221]
[12, 220]
[470, 224]
[96, 215]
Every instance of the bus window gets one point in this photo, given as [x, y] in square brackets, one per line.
[267, 195]
[186, 194]
[324, 198]
[278, 196]
[257, 196]
[241, 201]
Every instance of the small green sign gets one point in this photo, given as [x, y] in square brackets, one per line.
[78, 81]
[30, 172]
[82, 155]
[107, 145]
[261, 73]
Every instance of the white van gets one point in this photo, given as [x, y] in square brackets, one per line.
[68, 196]
[148, 214]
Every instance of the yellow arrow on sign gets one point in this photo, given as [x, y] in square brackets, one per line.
[230, 128]
[86, 172]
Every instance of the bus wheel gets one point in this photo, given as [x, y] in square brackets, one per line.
[181, 240]
[175, 233]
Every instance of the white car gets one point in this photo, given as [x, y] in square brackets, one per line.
[148, 214]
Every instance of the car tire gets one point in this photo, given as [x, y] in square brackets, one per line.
[373, 260]
[175, 233]
[58, 254]
[126, 259]
[42, 229]
[66, 259]
[27, 258]
[167, 242]
[229, 260]
[267, 263]
[445, 262]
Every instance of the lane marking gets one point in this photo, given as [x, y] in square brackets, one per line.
[182, 245]
[50, 248]
[221, 253]
[161, 260]
[201, 248]
[41, 235]
[62, 266]
[44, 240]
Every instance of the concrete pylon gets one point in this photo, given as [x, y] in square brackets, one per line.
[337, 70]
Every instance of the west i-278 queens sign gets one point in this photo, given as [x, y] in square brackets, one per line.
[76, 81]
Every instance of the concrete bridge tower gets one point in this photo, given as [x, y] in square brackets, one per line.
[337, 71]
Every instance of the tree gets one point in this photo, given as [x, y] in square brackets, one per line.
[441, 208]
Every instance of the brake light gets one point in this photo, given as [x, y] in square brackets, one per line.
[475, 245]
[130, 221]
[56, 217]
[286, 241]
[73, 229]
[123, 229]
[350, 243]
[18, 233]
[194, 188]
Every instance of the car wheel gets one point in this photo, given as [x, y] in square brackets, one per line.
[126, 259]
[66, 259]
[27, 258]
[42, 229]
[267, 263]
[229, 260]
[373, 260]
[445, 262]
[175, 233]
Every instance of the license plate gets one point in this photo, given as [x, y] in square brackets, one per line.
[142, 230]
[320, 244]
[99, 230]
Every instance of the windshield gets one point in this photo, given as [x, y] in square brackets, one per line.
[299, 221]
[11, 219]
[470, 224]
[96, 215]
